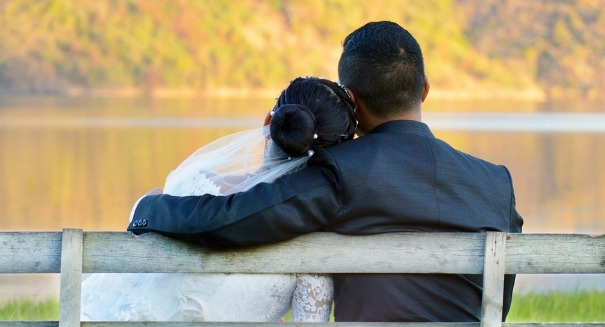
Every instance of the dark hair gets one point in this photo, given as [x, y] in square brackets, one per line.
[312, 113]
[382, 64]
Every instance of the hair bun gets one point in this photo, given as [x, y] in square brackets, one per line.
[292, 129]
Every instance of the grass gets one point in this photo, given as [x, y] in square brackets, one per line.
[554, 306]
[23, 310]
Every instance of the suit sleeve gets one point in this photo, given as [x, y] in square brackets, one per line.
[306, 201]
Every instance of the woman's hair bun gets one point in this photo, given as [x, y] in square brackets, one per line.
[292, 129]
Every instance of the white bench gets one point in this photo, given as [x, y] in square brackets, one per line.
[73, 252]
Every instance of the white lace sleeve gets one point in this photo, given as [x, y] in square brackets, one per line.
[313, 296]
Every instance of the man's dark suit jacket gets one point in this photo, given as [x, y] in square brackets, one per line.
[397, 178]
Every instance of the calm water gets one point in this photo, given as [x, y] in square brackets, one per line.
[82, 163]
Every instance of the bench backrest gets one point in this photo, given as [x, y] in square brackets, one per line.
[493, 254]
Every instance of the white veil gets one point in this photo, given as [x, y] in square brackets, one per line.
[231, 164]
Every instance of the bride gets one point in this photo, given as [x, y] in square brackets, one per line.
[310, 113]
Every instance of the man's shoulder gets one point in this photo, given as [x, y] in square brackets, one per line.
[443, 151]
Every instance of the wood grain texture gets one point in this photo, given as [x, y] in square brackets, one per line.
[298, 324]
[493, 254]
[555, 254]
[71, 278]
[323, 252]
[30, 252]
[493, 279]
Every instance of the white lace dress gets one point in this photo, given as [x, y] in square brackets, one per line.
[205, 297]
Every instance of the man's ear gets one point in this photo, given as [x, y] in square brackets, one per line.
[427, 86]
[360, 113]
[352, 96]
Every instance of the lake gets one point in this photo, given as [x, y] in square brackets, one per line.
[83, 162]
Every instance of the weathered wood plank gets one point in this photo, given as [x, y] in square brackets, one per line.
[275, 324]
[493, 280]
[337, 324]
[330, 324]
[34, 324]
[553, 324]
[30, 252]
[324, 253]
[555, 253]
[71, 278]
[39, 252]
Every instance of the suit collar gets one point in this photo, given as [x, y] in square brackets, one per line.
[404, 127]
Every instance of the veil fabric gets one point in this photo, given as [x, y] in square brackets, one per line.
[231, 164]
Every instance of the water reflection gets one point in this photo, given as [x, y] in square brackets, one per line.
[93, 122]
[72, 163]
[468, 122]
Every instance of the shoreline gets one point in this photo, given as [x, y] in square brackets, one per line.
[161, 93]
[478, 92]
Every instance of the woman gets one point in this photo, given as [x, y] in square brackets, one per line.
[310, 113]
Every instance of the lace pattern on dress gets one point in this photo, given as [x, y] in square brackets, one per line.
[313, 296]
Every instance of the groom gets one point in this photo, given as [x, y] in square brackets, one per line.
[395, 177]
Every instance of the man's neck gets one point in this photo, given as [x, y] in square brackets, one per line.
[371, 122]
[409, 115]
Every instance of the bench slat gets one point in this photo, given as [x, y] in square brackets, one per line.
[275, 324]
[323, 253]
[40, 252]
[71, 278]
[29, 324]
[30, 252]
[493, 280]
[329, 324]
[555, 253]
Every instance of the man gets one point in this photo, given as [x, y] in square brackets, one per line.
[395, 177]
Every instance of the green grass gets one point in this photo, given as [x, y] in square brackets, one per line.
[22, 310]
[555, 306]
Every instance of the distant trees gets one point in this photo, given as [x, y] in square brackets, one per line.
[561, 43]
[52, 46]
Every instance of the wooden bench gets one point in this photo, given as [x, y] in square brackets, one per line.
[73, 252]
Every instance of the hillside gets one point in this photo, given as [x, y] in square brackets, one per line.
[472, 48]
